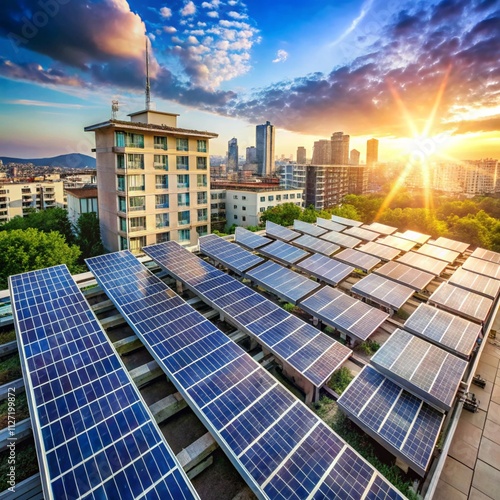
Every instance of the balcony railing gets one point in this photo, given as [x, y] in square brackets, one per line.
[182, 167]
[161, 146]
[183, 222]
[162, 186]
[160, 165]
[183, 184]
[202, 184]
[202, 201]
[137, 165]
[136, 188]
[162, 205]
[137, 228]
[137, 209]
[203, 218]
[162, 225]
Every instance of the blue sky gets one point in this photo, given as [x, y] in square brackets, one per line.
[419, 74]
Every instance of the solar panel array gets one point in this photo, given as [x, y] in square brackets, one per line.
[272, 438]
[400, 421]
[347, 314]
[285, 283]
[283, 252]
[94, 434]
[414, 236]
[456, 335]
[303, 347]
[457, 246]
[396, 242]
[467, 304]
[330, 271]
[329, 224]
[477, 283]
[250, 240]
[346, 222]
[234, 257]
[481, 253]
[311, 229]
[380, 228]
[362, 234]
[438, 253]
[406, 275]
[484, 267]
[341, 239]
[424, 369]
[357, 259]
[423, 262]
[383, 291]
[381, 251]
[315, 245]
[279, 232]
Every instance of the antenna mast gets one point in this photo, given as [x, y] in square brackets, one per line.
[148, 86]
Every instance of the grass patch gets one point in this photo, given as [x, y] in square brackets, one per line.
[10, 369]
[340, 380]
[22, 410]
[402, 314]
[26, 463]
[7, 336]
[369, 347]
[288, 307]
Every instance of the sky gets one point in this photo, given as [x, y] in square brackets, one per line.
[421, 76]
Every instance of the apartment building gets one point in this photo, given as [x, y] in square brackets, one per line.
[153, 180]
[326, 185]
[293, 176]
[81, 201]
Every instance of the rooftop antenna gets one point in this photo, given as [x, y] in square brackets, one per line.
[114, 109]
[148, 86]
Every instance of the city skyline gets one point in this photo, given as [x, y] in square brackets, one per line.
[421, 78]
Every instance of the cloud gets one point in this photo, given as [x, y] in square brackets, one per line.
[165, 12]
[169, 29]
[189, 9]
[281, 56]
[236, 15]
[485, 125]
[44, 104]
[213, 14]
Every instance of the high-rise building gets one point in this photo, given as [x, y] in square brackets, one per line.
[354, 157]
[340, 149]
[232, 155]
[322, 152]
[326, 185]
[301, 155]
[251, 156]
[357, 179]
[264, 140]
[371, 152]
[153, 181]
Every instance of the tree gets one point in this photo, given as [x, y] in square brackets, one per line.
[88, 236]
[30, 249]
[284, 214]
[470, 230]
[345, 210]
[310, 214]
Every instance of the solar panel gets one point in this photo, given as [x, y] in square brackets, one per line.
[406, 275]
[362, 234]
[457, 246]
[357, 259]
[383, 291]
[325, 269]
[316, 245]
[381, 251]
[438, 253]
[304, 348]
[396, 242]
[347, 314]
[423, 262]
[402, 423]
[329, 224]
[477, 283]
[285, 283]
[423, 369]
[455, 334]
[467, 304]
[311, 229]
[414, 236]
[341, 239]
[484, 267]
[250, 240]
[279, 232]
[283, 252]
[94, 434]
[380, 228]
[481, 253]
[346, 222]
[232, 256]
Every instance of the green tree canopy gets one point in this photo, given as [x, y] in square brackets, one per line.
[30, 249]
[88, 235]
[283, 214]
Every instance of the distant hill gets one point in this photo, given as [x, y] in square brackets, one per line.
[72, 160]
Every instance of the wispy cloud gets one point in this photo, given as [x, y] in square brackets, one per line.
[45, 104]
[165, 12]
[189, 9]
[281, 56]
[365, 8]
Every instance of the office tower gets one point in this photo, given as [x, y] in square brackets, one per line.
[251, 156]
[232, 155]
[322, 152]
[264, 140]
[354, 158]
[371, 152]
[340, 149]
[301, 155]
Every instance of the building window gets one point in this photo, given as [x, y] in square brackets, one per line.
[160, 162]
[137, 243]
[162, 220]
[262, 209]
[161, 201]
[182, 162]
[214, 206]
[121, 182]
[262, 198]
[243, 197]
[162, 237]
[202, 146]
[129, 140]
[202, 230]
[244, 219]
[120, 161]
[160, 142]
[235, 217]
[292, 197]
[123, 224]
[183, 200]
[201, 181]
[123, 243]
[137, 203]
[201, 162]
[202, 215]
[202, 198]
[161, 181]
[135, 161]
[235, 196]
[278, 197]
[137, 224]
[222, 205]
[184, 235]
[285, 197]
[182, 144]
[183, 218]
[183, 181]
[222, 196]
[235, 206]
[270, 198]
[213, 196]
[136, 182]
[243, 208]
[122, 204]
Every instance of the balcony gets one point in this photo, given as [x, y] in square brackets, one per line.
[137, 209]
[202, 184]
[162, 205]
[136, 188]
[135, 165]
[203, 218]
[202, 201]
[162, 226]
[161, 146]
[183, 222]
[183, 185]
[160, 166]
[137, 228]
[161, 186]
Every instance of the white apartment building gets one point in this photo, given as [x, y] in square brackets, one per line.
[293, 176]
[80, 201]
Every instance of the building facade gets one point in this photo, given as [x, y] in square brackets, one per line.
[322, 152]
[326, 185]
[293, 176]
[251, 154]
[232, 155]
[81, 201]
[301, 155]
[153, 180]
[357, 179]
[264, 140]
[354, 157]
[340, 149]
[371, 152]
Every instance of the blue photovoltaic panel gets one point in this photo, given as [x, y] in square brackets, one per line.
[316, 245]
[477, 283]
[421, 367]
[484, 267]
[457, 246]
[329, 224]
[438, 253]
[406, 275]
[383, 291]
[94, 434]
[250, 240]
[357, 259]
[279, 232]
[324, 268]
[398, 420]
[346, 222]
[283, 282]
[262, 427]
[311, 229]
[467, 304]
[423, 262]
[283, 252]
[341, 239]
[232, 256]
[380, 228]
[362, 234]
[414, 236]
[455, 334]
[396, 242]
[347, 314]
[481, 253]
[383, 252]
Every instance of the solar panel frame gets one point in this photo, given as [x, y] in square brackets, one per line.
[307, 228]
[425, 370]
[250, 240]
[397, 242]
[405, 275]
[361, 233]
[488, 255]
[315, 245]
[423, 262]
[280, 233]
[357, 259]
[284, 253]
[439, 253]
[383, 252]
[477, 283]
[341, 239]
[457, 246]
[415, 236]
[380, 228]
[325, 269]
[484, 267]
[330, 225]
[346, 222]
[83, 405]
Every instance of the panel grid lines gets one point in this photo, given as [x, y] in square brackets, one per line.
[279, 232]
